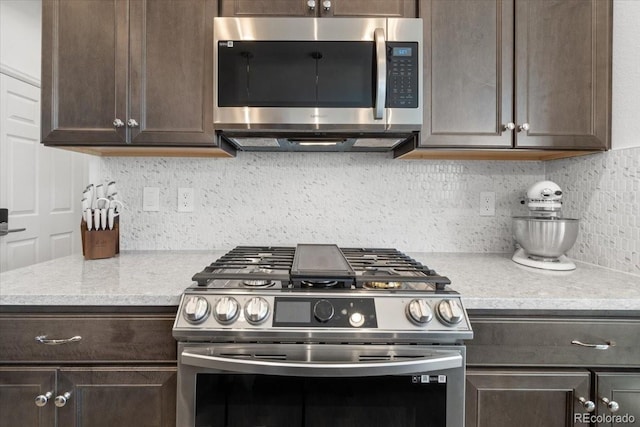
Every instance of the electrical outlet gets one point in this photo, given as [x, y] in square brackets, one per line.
[487, 203]
[151, 199]
[186, 199]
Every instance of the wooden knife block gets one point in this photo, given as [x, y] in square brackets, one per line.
[99, 244]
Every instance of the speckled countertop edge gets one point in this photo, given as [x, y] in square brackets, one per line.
[158, 278]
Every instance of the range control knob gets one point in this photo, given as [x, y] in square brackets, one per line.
[196, 309]
[356, 319]
[226, 310]
[419, 312]
[256, 310]
[450, 312]
[323, 310]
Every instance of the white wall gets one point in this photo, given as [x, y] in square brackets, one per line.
[625, 120]
[51, 222]
[20, 39]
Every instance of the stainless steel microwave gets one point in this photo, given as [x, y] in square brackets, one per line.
[341, 83]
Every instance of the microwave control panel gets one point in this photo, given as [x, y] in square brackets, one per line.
[402, 75]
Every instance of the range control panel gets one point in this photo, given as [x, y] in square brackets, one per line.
[305, 312]
[402, 75]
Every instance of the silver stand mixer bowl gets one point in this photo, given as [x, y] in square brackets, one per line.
[545, 238]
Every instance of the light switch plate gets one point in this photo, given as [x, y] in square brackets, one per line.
[151, 199]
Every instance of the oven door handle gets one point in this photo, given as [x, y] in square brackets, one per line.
[437, 361]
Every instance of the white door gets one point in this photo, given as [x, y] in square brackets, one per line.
[40, 186]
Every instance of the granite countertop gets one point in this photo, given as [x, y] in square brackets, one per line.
[157, 278]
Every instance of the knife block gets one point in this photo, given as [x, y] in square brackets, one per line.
[99, 244]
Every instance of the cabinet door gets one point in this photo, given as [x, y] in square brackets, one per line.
[19, 388]
[241, 8]
[563, 73]
[84, 71]
[330, 8]
[622, 388]
[468, 65]
[171, 72]
[352, 8]
[123, 397]
[525, 398]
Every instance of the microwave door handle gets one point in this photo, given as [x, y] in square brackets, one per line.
[452, 360]
[381, 66]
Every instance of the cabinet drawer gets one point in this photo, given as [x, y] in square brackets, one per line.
[547, 341]
[117, 338]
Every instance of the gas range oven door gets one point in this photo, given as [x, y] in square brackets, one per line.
[314, 385]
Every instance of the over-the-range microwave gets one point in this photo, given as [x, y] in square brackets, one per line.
[319, 84]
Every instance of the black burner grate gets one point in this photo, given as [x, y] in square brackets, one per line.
[320, 267]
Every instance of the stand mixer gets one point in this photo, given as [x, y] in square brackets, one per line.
[544, 236]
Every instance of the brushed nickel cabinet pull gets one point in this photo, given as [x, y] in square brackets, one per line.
[42, 339]
[62, 400]
[588, 405]
[596, 346]
[43, 399]
[612, 405]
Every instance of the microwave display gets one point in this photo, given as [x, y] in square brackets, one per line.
[401, 51]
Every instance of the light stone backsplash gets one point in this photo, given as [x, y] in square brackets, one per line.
[350, 199]
[603, 190]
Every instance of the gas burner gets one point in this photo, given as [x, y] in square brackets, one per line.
[320, 283]
[382, 285]
[265, 268]
[383, 270]
[259, 283]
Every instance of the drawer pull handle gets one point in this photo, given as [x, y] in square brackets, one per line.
[42, 339]
[596, 346]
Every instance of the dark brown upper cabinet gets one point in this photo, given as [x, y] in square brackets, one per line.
[128, 72]
[319, 8]
[532, 74]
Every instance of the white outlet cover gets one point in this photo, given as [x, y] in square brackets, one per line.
[487, 203]
[186, 199]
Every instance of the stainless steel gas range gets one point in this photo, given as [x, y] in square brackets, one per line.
[316, 335]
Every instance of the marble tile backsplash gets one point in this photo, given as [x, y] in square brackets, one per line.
[348, 199]
[603, 190]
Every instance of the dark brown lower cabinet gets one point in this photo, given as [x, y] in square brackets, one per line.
[622, 391]
[107, 369]
[92, 396]
[553, 370]
[532, 398]
[19, 388]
